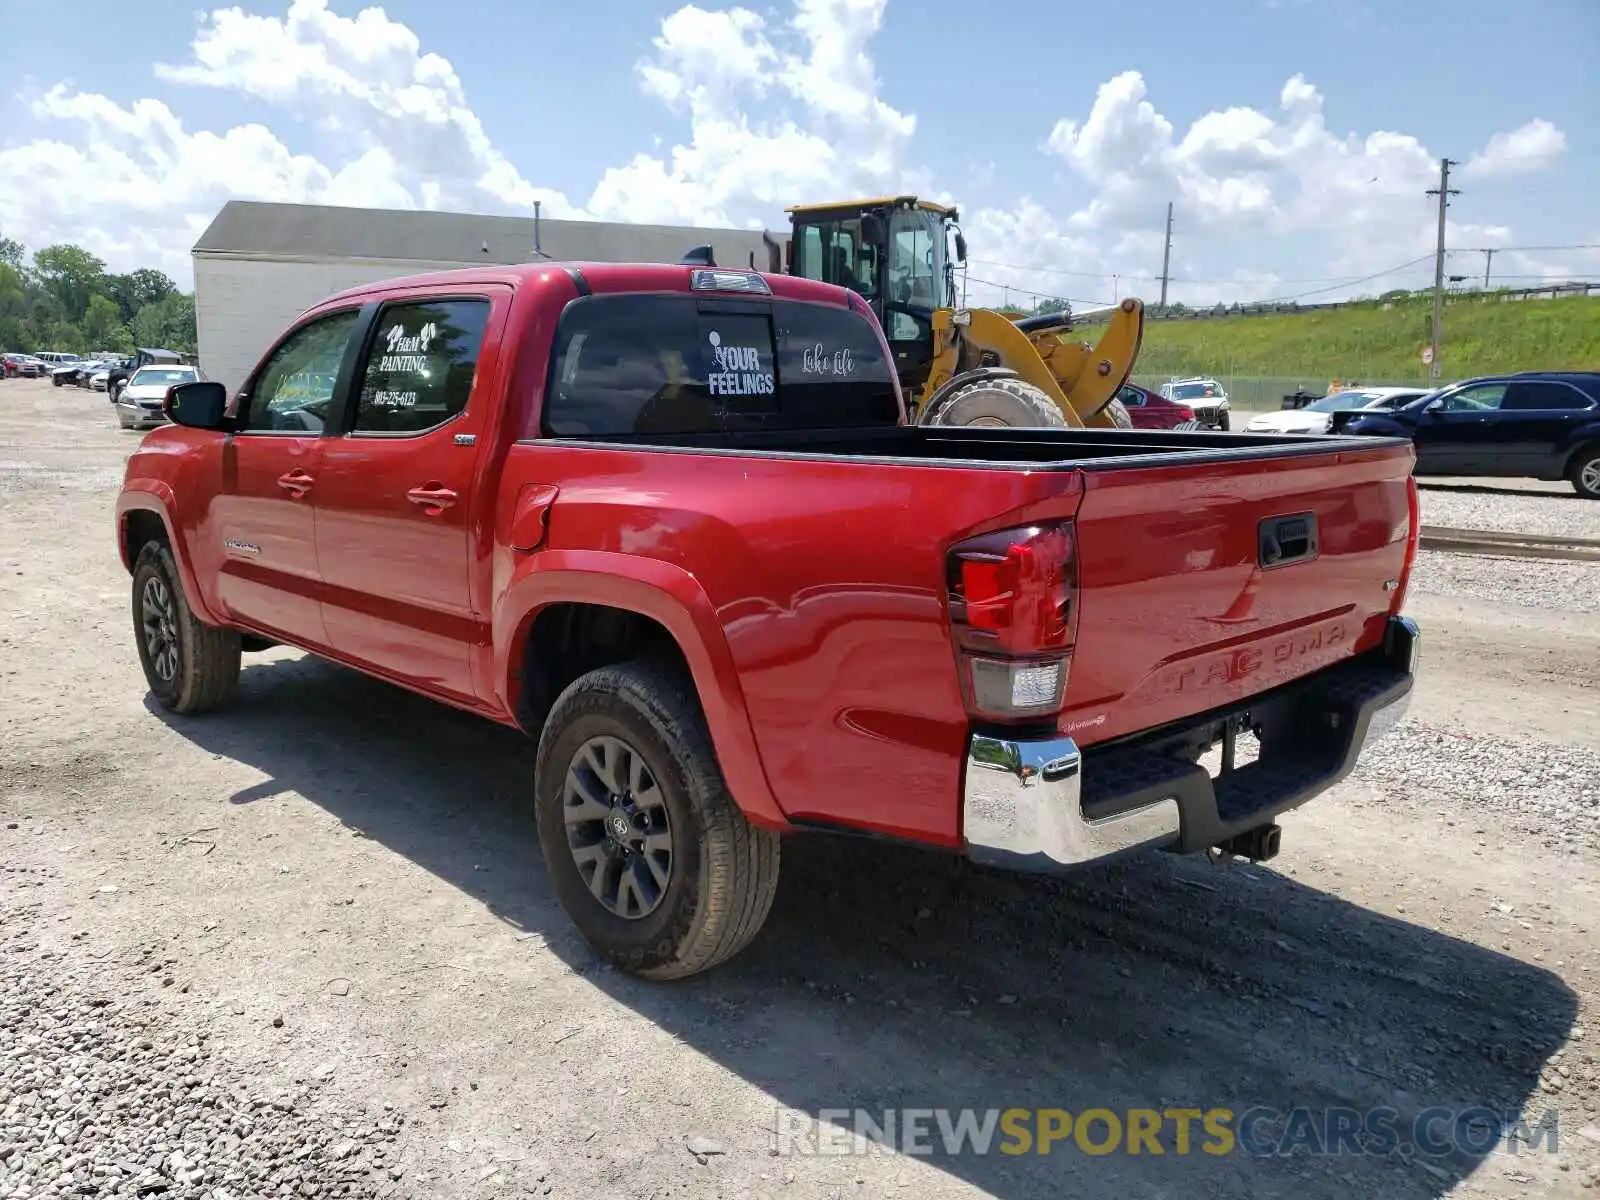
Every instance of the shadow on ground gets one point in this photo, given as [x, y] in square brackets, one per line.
[1489, 489]
[892, 978]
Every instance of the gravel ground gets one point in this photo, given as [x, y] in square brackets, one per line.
[1530, 582]
[1484, 504]
[107, 1091]
[1546, 789]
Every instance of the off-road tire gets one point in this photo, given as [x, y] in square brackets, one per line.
[1586, 462]
[1222, 420]
[1003, 401]
[724, 870]
[207, 671]
[1118, 412]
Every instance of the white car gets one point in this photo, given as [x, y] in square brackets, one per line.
[1317, 417]
[1207, 397]
[139, 403]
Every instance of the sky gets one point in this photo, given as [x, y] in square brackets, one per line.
[1295, 139]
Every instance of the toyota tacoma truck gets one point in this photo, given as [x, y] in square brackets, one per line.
[670, 521]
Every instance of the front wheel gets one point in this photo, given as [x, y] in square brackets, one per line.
[646, 850]
[1585, 473]
[191, 667]
[1222, 420]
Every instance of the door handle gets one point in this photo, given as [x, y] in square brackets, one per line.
[434, 498]
[297, 483]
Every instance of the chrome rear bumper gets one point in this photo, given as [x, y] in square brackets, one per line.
[1023, 799]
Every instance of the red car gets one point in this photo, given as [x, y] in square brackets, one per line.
[672, 523]
[1151, 410]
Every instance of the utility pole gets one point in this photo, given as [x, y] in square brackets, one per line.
[1488, 261]
[1444, 191]
[1166, 257]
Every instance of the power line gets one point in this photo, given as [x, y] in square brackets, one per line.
[1422, 258]
[1265, 279]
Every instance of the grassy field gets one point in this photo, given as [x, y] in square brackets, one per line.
[1377, 343]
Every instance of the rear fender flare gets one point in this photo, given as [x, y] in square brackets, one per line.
[156, 496]
[1580, 442]
[670, 596]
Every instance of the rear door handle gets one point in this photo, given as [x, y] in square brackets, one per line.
[297, 483]
[434, 497]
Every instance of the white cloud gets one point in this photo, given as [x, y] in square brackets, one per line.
[711, 66]
[1532, 147]
[777, 108]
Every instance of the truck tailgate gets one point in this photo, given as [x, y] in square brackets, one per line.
[1204, 584]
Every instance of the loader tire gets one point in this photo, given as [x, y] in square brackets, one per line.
[1118, 412]
[1003, 401]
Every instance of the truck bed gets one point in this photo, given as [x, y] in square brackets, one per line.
[1048, 449]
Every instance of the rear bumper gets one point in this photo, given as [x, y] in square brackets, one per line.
[1046, 805]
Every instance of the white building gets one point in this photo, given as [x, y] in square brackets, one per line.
[258, 266]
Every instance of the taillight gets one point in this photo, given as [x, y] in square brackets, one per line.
[1012, 610]
[1185, 413]
[1413, 535]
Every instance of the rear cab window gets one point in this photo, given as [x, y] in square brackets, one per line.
[648, 364]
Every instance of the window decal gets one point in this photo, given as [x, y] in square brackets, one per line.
[739, 371]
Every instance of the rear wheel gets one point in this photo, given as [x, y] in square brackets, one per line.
[646, 849]
[191, 667]
[1585, 473]
[1003, 402]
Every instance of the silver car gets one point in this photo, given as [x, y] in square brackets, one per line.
[140, 402]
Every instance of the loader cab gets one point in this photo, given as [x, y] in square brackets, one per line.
[895, 252]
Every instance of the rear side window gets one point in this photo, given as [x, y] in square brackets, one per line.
[419, 367]
[665, 364]
[1544, 396]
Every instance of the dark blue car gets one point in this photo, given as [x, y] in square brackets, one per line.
[1533, 425]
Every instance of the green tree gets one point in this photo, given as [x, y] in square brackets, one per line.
[103, 328]
[11, 253]
[72, 275]
[167, 324]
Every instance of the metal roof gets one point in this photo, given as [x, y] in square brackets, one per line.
[251, 228]
[875, 202]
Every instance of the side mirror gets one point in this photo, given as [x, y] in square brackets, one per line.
[1434, 406]
[199, 405]
[873, 230]
[961, 247]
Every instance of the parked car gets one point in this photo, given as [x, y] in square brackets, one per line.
[734, 598]
[23, 366]
[1318, 416]
[1206, 396]
[1149, 410]
[1532, 425]
[117, 376]
[141, 402]
[66, 370]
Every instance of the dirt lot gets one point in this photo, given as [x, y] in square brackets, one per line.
[307, 946]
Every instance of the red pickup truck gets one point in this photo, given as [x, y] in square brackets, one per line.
[670, 521]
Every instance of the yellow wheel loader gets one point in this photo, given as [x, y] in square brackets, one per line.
[961, 366]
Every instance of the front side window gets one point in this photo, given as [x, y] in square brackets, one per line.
[1481, 397]
[653, 364]
[294, 392]
[419, 368]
